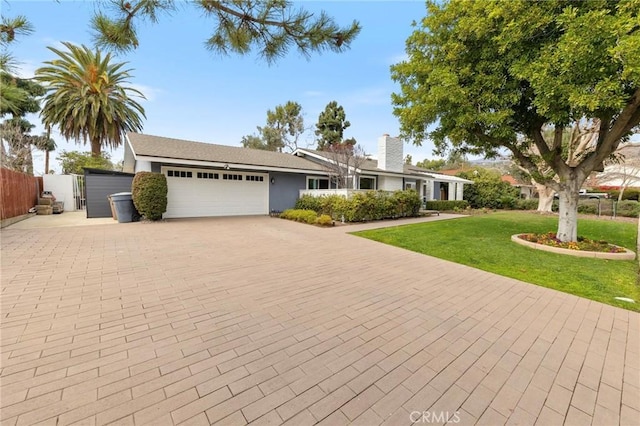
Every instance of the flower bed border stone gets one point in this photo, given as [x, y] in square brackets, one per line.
[626, 255]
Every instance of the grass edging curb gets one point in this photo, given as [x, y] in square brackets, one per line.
[627, 255]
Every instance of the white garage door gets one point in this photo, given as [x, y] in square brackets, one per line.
[202, 193]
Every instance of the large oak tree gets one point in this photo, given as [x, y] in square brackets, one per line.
[490, 76]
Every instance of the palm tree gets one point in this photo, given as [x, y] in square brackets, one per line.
[46, 144]
[87, 98]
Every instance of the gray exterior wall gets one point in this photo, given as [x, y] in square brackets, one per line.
[98, 187]
[155, 167]
[285, 190]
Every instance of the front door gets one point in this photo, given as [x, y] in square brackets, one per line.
[444, 191]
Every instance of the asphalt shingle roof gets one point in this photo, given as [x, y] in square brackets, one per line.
[408, 169]
[161, 147]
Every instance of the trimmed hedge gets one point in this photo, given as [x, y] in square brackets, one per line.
[307, 216]
[149, 192]
[446, 205]
[364, 206]
[300, 215]
[628, 194]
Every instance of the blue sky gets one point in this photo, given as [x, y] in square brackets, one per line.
[196, 95]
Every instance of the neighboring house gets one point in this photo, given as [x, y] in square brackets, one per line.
[624, 174]
[219, 180]
[526, 191]
[619, 176]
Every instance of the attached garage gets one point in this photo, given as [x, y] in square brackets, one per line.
[194, 192]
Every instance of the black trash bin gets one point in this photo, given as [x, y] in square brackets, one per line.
[125, 210]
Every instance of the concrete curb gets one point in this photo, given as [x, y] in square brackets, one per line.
[11, 220]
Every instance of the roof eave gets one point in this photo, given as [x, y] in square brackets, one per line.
[225, 164]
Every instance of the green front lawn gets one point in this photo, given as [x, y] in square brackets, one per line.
[484, 243]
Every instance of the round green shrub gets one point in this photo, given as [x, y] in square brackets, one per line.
[149, 191]
[324, 220]
[300, 215]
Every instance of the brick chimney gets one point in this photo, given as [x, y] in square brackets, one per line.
[390, 154]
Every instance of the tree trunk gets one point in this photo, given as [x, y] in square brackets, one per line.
[29, 160]
[96, 149]
[545, 197]
[568, 220]
[622, 188]
[46, 162]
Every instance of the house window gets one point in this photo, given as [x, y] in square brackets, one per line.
[317, 183]
[410, 185]
[367, 183]
[204, 175]
[179, 173]
[231, 176]
[252, 178]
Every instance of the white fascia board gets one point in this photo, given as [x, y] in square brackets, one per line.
[309, 153]
[322, 158]
[447, 178]
[222, 165]
[128, 148]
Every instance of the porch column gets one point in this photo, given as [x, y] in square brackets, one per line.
[460, 191]
[426, 190]
[452, 191]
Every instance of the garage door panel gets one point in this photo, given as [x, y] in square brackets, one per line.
[194, 197]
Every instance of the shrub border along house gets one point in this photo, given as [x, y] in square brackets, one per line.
[364, 206]
[149, 191]
[446, 205]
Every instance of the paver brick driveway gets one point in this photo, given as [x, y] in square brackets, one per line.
[262, 320]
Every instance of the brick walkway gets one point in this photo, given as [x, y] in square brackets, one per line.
[266, 321]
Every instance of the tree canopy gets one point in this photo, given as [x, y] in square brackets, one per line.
[283, 130]
[18, 97]
[88, 98]
[486, 76]
[75, 161]
[270, 26]
[331, 125]
[435, 164]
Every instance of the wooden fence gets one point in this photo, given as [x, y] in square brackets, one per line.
[19, 192]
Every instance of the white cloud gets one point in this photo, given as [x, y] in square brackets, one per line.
[26, 69]
[392, 60]
[149, 92]
[377, 95]
[312, 93]
[57, 44]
